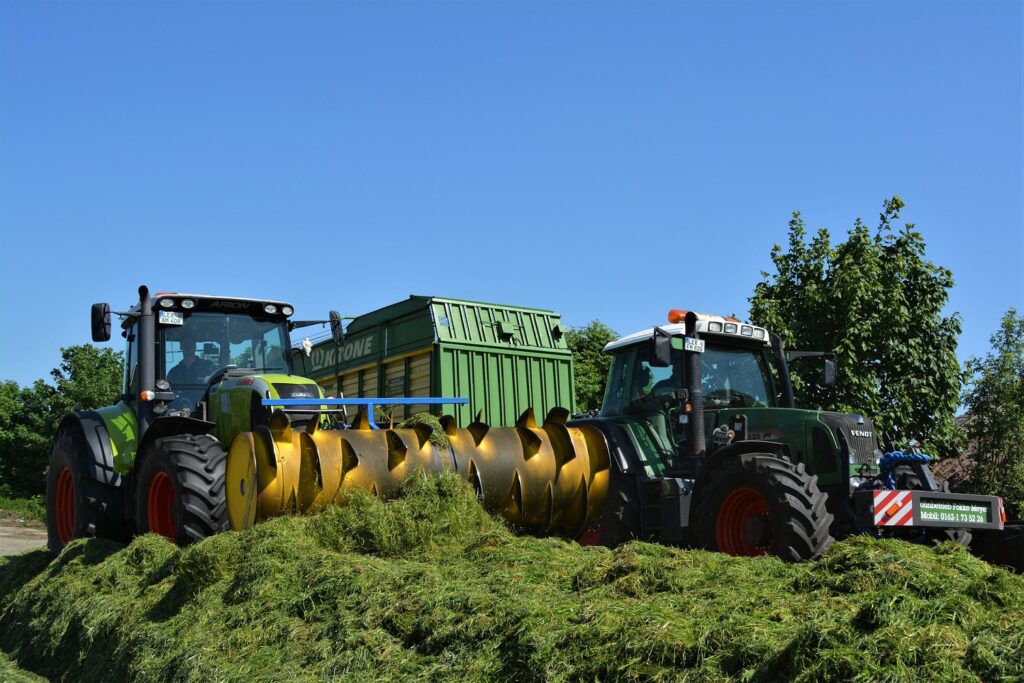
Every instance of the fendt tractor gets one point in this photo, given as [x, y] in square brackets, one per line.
[698, 443]
[709, 449]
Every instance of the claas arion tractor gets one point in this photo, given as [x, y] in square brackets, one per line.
[214, 432]
[697, 443]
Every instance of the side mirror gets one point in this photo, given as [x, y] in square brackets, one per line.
[830, 372]
[101, 322]
[336, 330]
[661, 349]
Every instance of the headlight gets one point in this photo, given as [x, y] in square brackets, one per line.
[287, 310]
[758, 333]
[730, 328]
[188, 304]
[166, 303]
[747, 331]
[714, 327]
[270, 308]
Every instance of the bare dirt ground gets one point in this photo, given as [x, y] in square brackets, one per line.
[16, 537]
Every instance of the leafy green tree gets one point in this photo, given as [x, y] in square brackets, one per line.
[994, 398]
[88, 377]
[877, 302]
[589, 362]
[26, 436]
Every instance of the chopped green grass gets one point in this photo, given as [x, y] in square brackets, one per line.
[10, 673]
[429, 587]
[438, 436]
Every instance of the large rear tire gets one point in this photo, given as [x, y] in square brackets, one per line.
[761, 504]
[180, 489]
[78, 506]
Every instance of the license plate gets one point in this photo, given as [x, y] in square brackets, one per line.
[696, 345]
[171, 318]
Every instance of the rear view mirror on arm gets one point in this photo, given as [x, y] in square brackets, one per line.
[661, 349]
[830, 372]
[337, 332]
[101, 322]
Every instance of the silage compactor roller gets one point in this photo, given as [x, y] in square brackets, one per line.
[214, 432]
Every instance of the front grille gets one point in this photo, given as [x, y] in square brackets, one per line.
[859, 434]
[297, 390]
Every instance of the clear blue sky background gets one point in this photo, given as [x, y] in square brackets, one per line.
[608, 160]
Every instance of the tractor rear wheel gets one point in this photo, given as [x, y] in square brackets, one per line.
[180, 489]
[761, 504]
[914, 477]
[76, 504]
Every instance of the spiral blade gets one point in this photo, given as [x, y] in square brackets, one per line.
[549, 479]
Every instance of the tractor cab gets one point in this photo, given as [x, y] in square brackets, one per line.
[199, 338]
[737, 372]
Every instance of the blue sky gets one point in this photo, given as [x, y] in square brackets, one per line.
[606, 160]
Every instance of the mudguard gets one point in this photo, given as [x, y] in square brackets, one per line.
[99, 464]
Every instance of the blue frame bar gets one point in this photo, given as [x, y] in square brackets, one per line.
[368, 402]
[426, 400]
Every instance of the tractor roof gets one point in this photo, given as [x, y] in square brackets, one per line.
[707, 325]
[215, 303]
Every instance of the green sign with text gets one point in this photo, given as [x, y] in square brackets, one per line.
[952, 511]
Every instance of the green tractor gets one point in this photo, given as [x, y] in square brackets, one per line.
[196, 368]
[709, 450]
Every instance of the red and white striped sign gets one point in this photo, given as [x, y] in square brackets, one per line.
[894, 508]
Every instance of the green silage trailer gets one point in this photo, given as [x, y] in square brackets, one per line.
[505, 359]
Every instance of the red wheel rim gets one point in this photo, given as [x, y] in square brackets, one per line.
[64, 506]
[160, 505]
[744, 524]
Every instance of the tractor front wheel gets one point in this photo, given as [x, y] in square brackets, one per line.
[761, 504]
[180, 489]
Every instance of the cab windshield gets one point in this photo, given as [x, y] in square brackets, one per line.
[735, 377]
[189, 353]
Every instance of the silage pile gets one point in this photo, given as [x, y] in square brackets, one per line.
[428, 586]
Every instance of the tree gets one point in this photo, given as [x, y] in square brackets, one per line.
[877, 302]
[994, 399]
[88, 377]
[589, 362]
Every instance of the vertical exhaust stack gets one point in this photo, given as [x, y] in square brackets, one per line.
[694, 372]
[147, 359]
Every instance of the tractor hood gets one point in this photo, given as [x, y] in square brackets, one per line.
[234, 403]
[833, 445]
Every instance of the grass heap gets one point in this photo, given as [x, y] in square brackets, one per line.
[428, 586]
[10, 673]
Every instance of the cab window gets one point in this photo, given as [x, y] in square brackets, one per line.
[734, 376]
